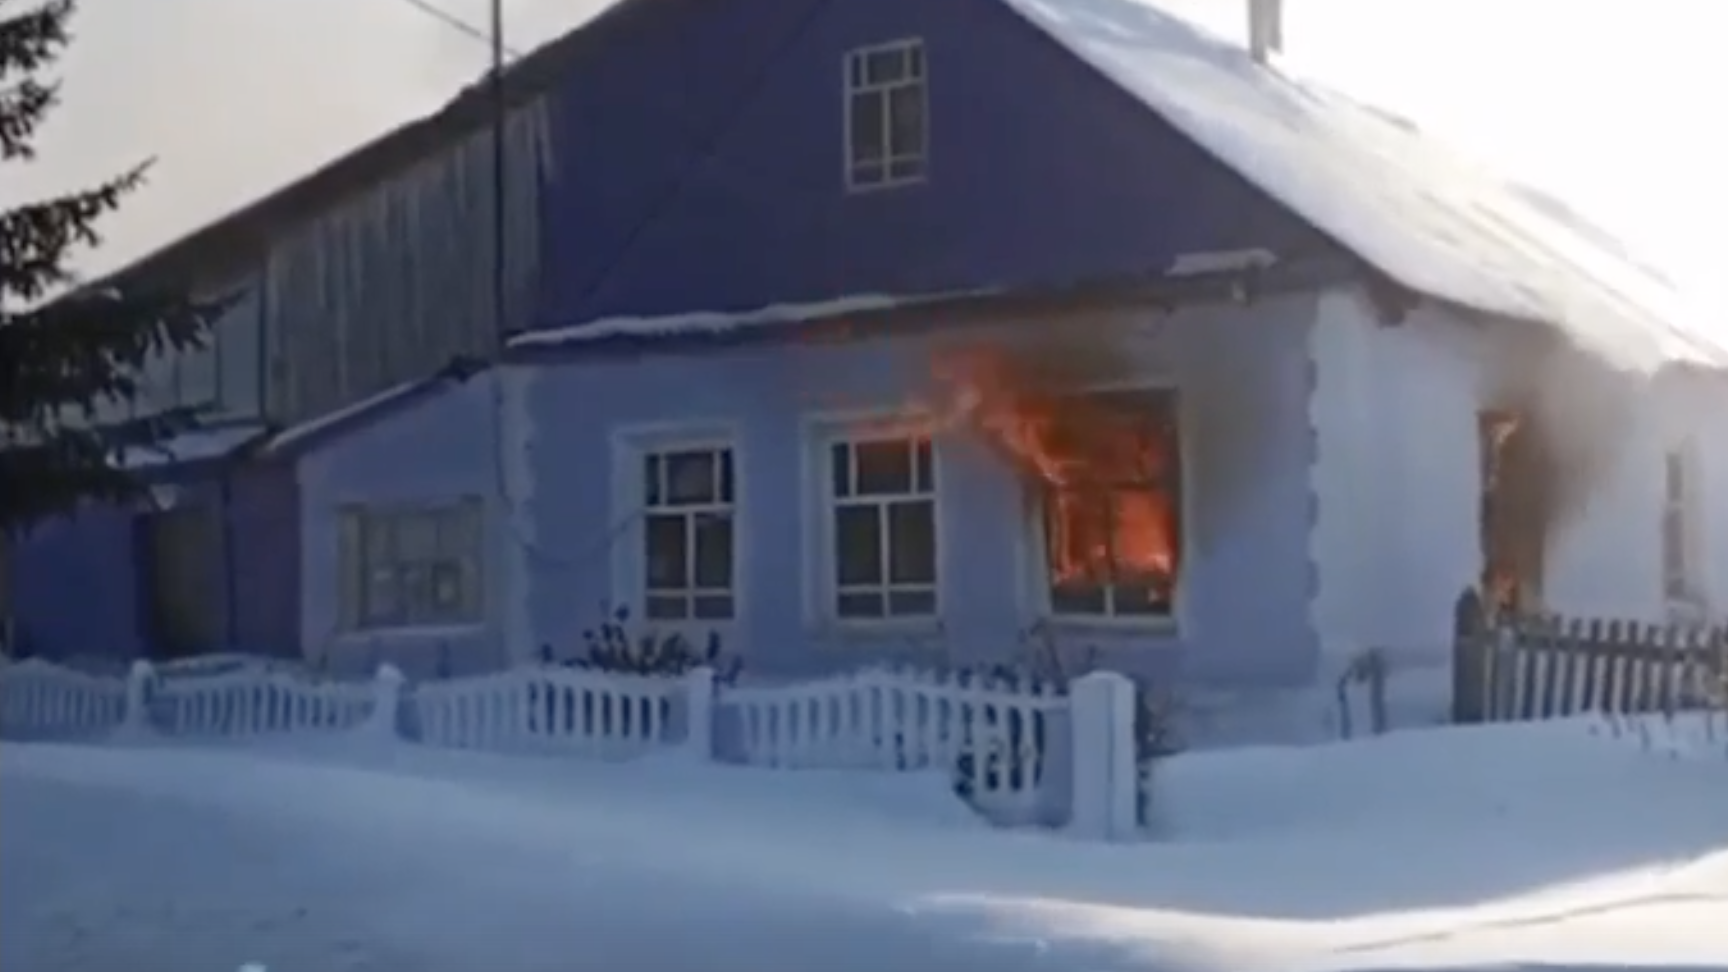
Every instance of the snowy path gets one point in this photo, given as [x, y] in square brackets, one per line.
[1431, 851]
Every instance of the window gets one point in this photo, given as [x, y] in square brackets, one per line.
[882, 528]
[887, 120]
[412, 565]
[1680, 581]
[1112, 506]
[688, 544]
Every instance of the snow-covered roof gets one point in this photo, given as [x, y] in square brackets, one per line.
[710, 322]
[718, 322]
[197, 445]
[1403, 202]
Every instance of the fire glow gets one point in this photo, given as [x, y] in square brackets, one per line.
[1103, 471]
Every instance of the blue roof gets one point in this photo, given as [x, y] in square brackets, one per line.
[1401, 201]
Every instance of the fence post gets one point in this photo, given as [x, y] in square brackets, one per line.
[1469, 662]
[699, 713]
[386, 703]
[1106, 773]
[135, 721]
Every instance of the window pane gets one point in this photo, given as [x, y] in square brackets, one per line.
[883, 66]
[714, 550]
[884, 466]
[925, 462]
[911, 604]
[915, 61]
[713, 607]
[903, 169]
[417, 604]
[652, 494]
[1141, 600]
[1078, 598]
[1077, 536]
[1142, 534]
[858, 545]
[726, 484]
[447, 588]
[868, 120]
[382, 600]
[667, 567]
[912, 542]
[840, 463]
[856, 604]
[459, 531]
[378, 541]
[906, 121]
[691, 478]
[416, 536]
[664, 607]
[869, 173]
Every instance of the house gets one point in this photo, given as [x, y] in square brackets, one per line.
[359, 280]
[1002, 329]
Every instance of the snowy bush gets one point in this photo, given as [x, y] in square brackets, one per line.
[618, 647]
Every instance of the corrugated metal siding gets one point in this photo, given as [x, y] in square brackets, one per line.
[393, 285]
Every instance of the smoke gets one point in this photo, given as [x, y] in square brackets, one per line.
[1575, 412]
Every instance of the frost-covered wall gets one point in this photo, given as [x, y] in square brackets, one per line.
[398, 280]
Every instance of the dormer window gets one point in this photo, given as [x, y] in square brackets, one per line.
[887, 115]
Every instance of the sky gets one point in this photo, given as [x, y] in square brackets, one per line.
[1595, 101]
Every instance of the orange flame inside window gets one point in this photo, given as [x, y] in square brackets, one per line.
[1105, 468]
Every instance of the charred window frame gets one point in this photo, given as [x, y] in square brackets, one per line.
[1513, 529]
[1082, 521]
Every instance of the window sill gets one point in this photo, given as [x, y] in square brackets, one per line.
[1163, 626]
[417, 632]
[878, 630]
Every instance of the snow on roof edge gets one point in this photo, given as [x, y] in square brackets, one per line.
[723, 322]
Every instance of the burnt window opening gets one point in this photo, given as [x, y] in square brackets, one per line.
[1515, 511]
[1111, 504]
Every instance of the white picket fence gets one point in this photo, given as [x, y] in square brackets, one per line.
[1020, 755]
[885, 720]
[546, 708]
[43, 701]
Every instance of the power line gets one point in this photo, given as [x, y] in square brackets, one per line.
[456, 23]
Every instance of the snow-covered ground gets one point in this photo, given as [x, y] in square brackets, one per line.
[1542, 846]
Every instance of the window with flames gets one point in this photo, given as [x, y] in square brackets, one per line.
[1109, 474]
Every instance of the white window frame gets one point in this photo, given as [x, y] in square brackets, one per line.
[1037, 550]
[631, 448]
[823, 433]
[856, 83]
[1689, 602]
[355, 617]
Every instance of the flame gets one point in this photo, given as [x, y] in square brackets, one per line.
[1103, 474]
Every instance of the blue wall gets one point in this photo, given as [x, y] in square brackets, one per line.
[1244, 376]
[77, 580]
[437, 448]
[700, 165]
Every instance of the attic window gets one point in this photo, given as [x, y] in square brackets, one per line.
[887, 115]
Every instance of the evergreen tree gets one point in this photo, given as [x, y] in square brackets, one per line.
[70, 355]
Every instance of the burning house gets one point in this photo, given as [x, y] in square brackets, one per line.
[1164, 362]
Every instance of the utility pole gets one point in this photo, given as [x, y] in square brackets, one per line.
[500, 223]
